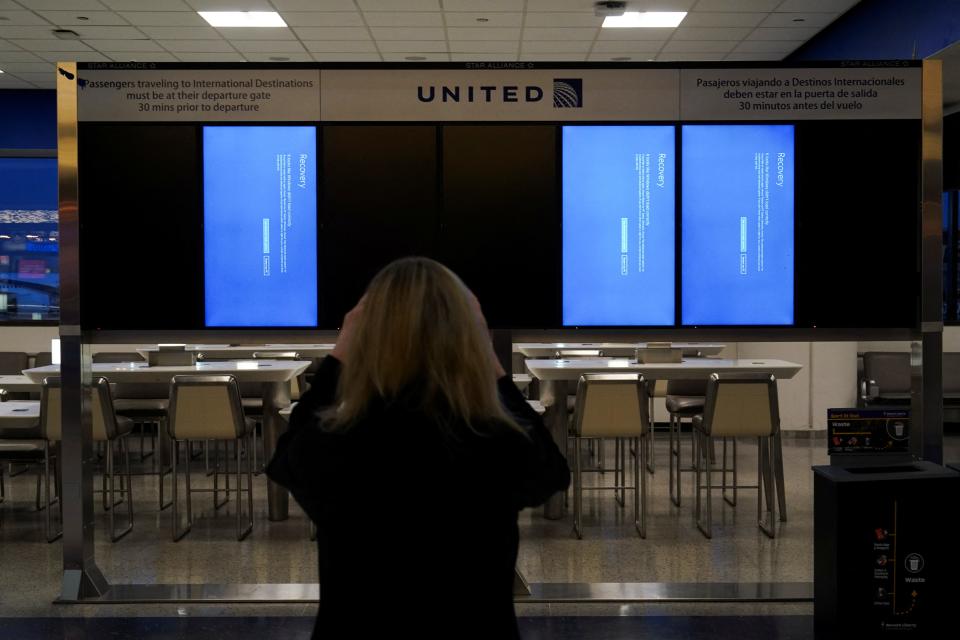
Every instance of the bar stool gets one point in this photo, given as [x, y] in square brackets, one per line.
[108, 428]
[738, 405]
[207, 407]
[572, 354]
[613, 405]
[684, 399]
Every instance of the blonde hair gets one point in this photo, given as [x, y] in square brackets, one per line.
[420, 335]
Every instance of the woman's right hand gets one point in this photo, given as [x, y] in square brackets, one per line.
[341, 351]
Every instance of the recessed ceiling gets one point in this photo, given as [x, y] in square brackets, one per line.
[395, 30]
[951, 77]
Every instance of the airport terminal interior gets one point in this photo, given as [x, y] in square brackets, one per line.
[716, 242]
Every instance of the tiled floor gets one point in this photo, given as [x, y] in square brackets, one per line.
[610, 550]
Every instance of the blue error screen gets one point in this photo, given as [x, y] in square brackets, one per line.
[737, 225]
[618, 225]
[260, 226]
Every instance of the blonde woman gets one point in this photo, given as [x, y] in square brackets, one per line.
[413, 453]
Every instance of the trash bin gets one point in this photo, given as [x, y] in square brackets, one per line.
[884, 556]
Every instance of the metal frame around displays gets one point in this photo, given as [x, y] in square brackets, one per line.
[83, 582]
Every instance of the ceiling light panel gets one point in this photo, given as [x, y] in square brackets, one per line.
[644, 20]
[243, 19]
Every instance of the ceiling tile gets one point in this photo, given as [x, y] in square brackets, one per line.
[563, 20]
[210, 57]
[399, 5]
[744, 57]
[347, 57]
[430, 57]
[726, 19]
[9, 82]
[819, 20]
[690, 57]
[323, 18]
[838, 6]
[108, 33]
[152, 5]
[38, 77]
[412, 46]
[291, 56]
[559, 33]
[315, 5]
[181, 33]
[711, 33]
[484, 46]
[483, 5]
[24, 67]
[617, 46]
[6, 45]
[560, 5]
[636, 34]
[481, 33]
[67, 5]
[763, 33]
[483, 57]
[256, 33]
[698, 46]
[404, 19]
[555, 47]
[21, 18]
[72, 18]
[38, 33]
[737, 5]
[17, 56]
[124, 45]
[408, 33]
[552, 57]
[273, 46]
[9, 5]
[141, 56]
[340, 46]
[52, 45]
[768, 46]
[512, 19]
[332, 33]
[609, 57]
[164, 18]
[79, 56]
[195, 46]
[231, 5]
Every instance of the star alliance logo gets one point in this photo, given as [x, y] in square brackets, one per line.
[567, 93]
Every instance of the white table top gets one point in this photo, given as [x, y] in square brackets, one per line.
[549, 349]
[18, 383]
[522, 380]
[247, 350]
[242, 370]
[689, 368]
[19, 413]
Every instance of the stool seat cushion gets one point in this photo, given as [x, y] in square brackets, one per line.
[137, 407]
[685, 406]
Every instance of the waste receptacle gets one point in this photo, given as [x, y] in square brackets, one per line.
[885, 556]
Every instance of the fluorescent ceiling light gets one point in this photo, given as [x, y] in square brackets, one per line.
[636, 19]
[243, 18]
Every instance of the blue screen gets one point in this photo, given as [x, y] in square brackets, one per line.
[737, 221]
[260, 226]
[618, 225]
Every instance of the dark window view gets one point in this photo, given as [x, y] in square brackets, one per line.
[951, 259]
[29, 260]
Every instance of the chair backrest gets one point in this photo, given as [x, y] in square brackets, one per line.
[13, 362]
[117, 356]
[742, 404]
[696, 388]
[205, 407]
[611, 405]
[101, 410]
[43, 359]
[890, 370]
[579, 353]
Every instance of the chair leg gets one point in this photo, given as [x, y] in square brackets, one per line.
[243, 532]
[705, 463]
[651, 460]
[51, 535]
[640, 486]
[577, 489]
[765, 484]
[619, 473]
[111, 470]
[675, 460]
[179, 533]
[778, 472]
[39, 481]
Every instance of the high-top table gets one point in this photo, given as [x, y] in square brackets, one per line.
[19, 418]
[228, 351]
[18, 383]
[621, 349]
[274, 375]
[556, 378]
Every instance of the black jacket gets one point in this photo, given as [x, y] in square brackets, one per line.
[417, 533]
